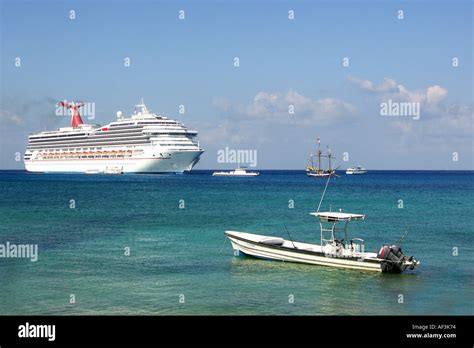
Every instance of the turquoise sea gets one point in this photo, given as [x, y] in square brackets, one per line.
[180, 262]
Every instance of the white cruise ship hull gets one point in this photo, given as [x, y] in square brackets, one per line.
[178, 162]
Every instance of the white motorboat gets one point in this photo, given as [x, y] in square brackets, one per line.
[356, 170]
[341, 253]
[241, 171]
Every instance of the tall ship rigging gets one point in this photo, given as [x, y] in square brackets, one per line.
[142, 143]
[314, 170]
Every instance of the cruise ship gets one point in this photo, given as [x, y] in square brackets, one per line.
[142, 143]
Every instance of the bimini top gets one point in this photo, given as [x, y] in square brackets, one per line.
[337, 216]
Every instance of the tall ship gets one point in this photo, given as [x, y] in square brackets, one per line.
[142, 143]
[315, 169]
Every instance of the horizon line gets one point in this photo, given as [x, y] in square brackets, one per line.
[303, 170]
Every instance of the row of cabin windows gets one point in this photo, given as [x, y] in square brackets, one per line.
[91, 139]
[78, 149]
[101, 143]
[103, 135]
[141, 123]
[114, 126]
[82, 135]
[95, 156]
[112, 137]
[189, 144]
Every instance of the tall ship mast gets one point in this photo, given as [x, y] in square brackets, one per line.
[142, 143]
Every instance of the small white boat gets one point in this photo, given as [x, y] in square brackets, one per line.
[241, 171]
[356, 170]
[331, 251]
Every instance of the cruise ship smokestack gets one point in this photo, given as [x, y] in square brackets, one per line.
[76, 119]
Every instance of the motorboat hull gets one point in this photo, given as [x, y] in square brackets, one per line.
[235, 175]
[249, 244]
[350, 172]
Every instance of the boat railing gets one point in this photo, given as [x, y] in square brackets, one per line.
[357, 245]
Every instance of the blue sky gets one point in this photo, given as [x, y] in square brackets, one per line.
[282, 62]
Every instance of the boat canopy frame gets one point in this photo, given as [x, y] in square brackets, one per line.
[333, 218]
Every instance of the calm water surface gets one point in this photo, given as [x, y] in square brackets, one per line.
[176, 252]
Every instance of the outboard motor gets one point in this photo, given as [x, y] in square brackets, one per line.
[394, 261]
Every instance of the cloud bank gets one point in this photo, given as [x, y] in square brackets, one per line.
[439, 117]
[288, 108]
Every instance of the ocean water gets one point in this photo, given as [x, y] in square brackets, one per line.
[180, 263]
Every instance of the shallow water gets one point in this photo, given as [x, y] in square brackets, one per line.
[182, 254]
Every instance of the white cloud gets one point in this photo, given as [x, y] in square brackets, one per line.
[435, 94]
[229, 133]
[221, 103]
[439, 118]
[388, 85]
[269, 113]
[277, 107]
[10, 118]
[429, 98]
